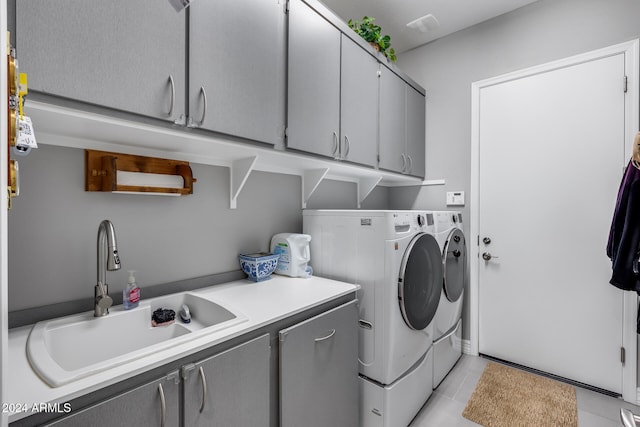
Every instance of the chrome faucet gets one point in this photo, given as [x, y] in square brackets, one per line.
[107, 251]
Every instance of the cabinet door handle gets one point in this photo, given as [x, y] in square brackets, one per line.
[347, 147]
[410, 164]
[336, 145]
[204, 106]
[173, 96]
[404, 162]
[331, 334]
[163, 406]
[203, 379]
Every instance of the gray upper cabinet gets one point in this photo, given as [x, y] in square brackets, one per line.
[392, 121]
[333, 90]
[237, 64]
[319, 370]
[153, 404]
[402, 126]
[314, 82]
[230, 388]
[415, 148]
[127, 55]
[359, 105]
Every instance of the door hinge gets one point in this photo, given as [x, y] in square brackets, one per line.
[174, 376]
[186, 370]
[622, 355]
[625, 83]
[286, 7]
[379, 73]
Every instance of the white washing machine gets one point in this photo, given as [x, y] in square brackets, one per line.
[447, 324]
[395, 258]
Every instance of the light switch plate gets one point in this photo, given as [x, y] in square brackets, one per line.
[455, 198]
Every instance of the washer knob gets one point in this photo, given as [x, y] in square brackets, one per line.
[420, 220]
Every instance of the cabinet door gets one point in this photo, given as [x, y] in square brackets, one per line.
[392, 121]
[415, 132]
[237, 55]
[152, 405]
[314, 82]
[319, 370]
[230, 388]
[119, 53]
[359, 105]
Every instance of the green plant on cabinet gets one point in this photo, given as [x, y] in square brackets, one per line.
[372, 33]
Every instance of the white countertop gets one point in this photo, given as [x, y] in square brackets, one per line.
[263, 303]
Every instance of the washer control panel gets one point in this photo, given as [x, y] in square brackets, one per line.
[417, 221]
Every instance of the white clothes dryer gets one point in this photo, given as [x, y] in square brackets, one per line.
[447, 344]
[396, 260]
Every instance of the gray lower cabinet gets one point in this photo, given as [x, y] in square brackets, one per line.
[153, 404]
[402, 126]
[230, 388]
[237, 68]
[319, 370]
[316, 362]
[127, 55]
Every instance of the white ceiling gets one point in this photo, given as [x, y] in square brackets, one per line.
[394, 15]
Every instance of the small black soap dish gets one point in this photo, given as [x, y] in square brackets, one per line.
[163, 317]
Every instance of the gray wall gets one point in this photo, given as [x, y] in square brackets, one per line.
[54, 223]
[540, 32]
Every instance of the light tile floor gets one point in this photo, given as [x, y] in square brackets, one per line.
[444, 407]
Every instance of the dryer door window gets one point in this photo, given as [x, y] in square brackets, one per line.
[420, 281]
[455, 264]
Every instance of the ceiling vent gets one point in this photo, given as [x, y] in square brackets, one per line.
[425, 24]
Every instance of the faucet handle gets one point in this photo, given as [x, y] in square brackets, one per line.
[102, 300]
[105, 302]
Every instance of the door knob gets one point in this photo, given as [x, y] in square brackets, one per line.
[487, 256]
[486, 240]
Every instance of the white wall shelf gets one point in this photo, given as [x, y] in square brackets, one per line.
[61, 126]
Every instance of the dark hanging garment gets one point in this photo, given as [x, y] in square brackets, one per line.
[623, 246]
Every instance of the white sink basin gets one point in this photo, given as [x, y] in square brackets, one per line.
[72, 347]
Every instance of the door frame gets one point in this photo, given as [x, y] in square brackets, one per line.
[632, 125]
[4, 263]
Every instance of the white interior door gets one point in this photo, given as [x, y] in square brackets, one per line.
[551, 153]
